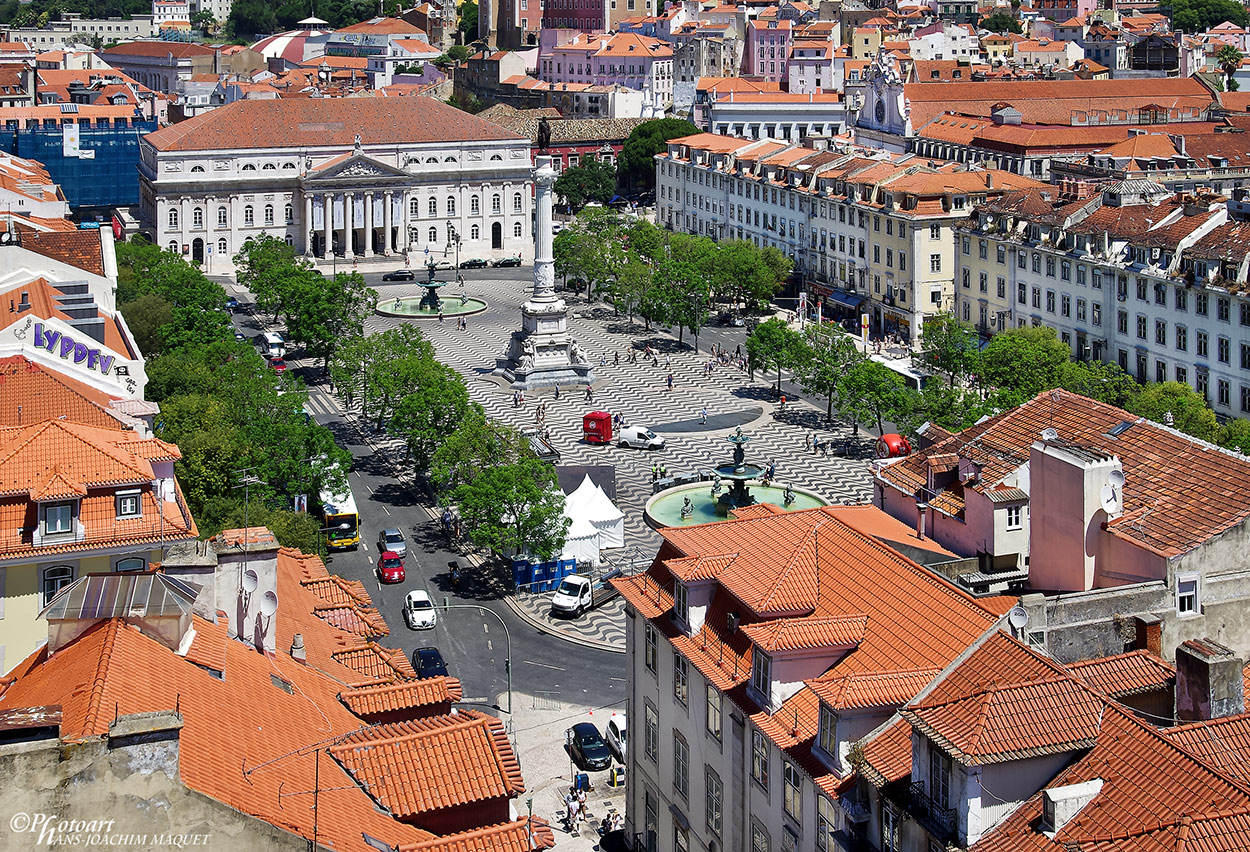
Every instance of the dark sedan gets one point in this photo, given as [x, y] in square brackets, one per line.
[587, 747]
[473, 263]
[508, 261]
[429, 663]
[399, 275]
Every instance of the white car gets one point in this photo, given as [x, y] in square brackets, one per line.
[617, 737]
[419, 612]
[639, 436]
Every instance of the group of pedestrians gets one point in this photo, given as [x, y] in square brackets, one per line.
[813, 444]
[575, 810]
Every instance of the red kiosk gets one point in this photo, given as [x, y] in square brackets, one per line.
[892, 446]
[597, 427]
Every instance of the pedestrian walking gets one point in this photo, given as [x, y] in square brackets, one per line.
[783, 403]
[557, 394]
[616, 359]
[668, 361]
[670, 381]
[808, 438]
[703, 415]
[590, 394]
[516, 399]
[440, 317]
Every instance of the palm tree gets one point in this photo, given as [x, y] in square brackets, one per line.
[1229, 59]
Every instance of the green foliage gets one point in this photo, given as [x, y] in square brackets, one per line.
[825, 355]
[1228, 58]
[949, 346]
[388, 366]
[203, 21]
[636, 165]
[515, 506]
[774, 344]
[476, 445]
[1002, 23]
[186, 309]
[1195, 16]
[871, 393]
[468, 21]
[458, 52]
[1235, 434]
[747, 275]
[1188, 410]
[1022, 362]
[251, 18]
[300, 530]
[592, 180]
[431, 411]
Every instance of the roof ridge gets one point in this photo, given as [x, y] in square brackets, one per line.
[96, 698]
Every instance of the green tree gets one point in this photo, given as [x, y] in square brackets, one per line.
[1188, 411]
[773, 344]
[591, 180]
[196, 305]
[431, 412]
[1228, 58]
[458, 53]
[251, 17]
[1002, 23]
[515, 507]
[468, 22]
[636, 165]
[1022, 362]
[683, 284]
[146, 317]
[1235, 435]
[321, 311]
[1196, 16]
[476, 445]
[948, 346]
[826, 354]
[204, 21]
[268, 269]
[740, 271]
[1096, 380]
[871, 393]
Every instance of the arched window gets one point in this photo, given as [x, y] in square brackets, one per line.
[131, 563]
[268, 214]
[516, 229]
[475, 233]
[433, 206]
[290, 240]
[173, 246]
[248, 218]
[269, 167]
[496, 203]
[516, 202]
[449, 159]
[288, 165]
[475, 205]
[221, 217]
[173, 217]
[222, 246]
[414, 208]
[433, 235]
[197, 169]
[288, 213]
[197, 217]
[55, 579]
[495, 158]
[451, 205]
[249, 167]
[431, 160]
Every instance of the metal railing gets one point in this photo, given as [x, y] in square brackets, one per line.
[938, 820]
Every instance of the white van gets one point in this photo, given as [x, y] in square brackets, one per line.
[616, 734]
[639, 436]
[273, 345]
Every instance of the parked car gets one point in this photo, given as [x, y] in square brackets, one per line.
[444, 264]
[393, 539]
[232, 304]
[391, 567]
[419, 612]
[239, 336]
[277, 365]
[587, 748]
[617, 736]
[473, 263]
[557, 227]
[400, 275]
[428, 662]
[639, 436]
[508, 261]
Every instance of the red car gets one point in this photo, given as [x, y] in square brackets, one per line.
[391, 568]
[278, 365]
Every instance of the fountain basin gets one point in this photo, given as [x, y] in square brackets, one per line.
[664, 509]
[410, 307]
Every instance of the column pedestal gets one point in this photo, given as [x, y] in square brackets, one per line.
[327, 226]
[368, 224]
[349, 225]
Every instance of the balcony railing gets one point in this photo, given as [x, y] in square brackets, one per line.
[939, 821]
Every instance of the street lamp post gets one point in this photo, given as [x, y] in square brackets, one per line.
[507, 638]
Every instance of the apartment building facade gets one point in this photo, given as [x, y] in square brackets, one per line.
[870, 231]
[1134, 275]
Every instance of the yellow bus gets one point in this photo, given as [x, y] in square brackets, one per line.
[340, 520]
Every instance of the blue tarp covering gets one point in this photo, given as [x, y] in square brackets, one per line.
[107, 177]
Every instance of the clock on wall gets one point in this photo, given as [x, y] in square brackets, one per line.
[880, 110]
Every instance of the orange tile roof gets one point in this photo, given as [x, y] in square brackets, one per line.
[1163, 511]
[383, 26]
[1222, 743]
[524, 835]
[1122, 675]
[801, 634]
[887, 754]
[877, 689]
[80, 248]
[426, 765]
[369, 701]
[30, 393]
[160, 49]
[325, 122]
[82, 456]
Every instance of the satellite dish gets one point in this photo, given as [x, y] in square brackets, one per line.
[1017, 617]
[1050, 435]
[1110, 499]
[1116, 479]
[268, 604]
[250, 581]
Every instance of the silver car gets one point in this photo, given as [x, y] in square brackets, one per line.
[393, 539]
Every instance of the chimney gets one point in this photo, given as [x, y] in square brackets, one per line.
[23, 304]
[1149, 634]
[1208, 681]
[297, 649]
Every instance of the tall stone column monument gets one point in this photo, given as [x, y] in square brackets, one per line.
[542, 354]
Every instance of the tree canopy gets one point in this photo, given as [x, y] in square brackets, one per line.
[166, 301]
[516, 506]
[636, 164]
[1002, 23]
[591, 180]
[1195, 16]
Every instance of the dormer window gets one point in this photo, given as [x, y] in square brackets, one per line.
[762, 674]
[681, 606]
[58, 518]
[828, 734]
[939, 776]
[128, 504]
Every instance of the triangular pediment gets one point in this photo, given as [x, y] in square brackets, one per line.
[352, 166]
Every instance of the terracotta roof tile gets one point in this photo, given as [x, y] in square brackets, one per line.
[1122, 675]
[798, 634]
[524, 835]
[876, 689]
[416, 767]
[887, 754]
[370, 701]
[375, 663]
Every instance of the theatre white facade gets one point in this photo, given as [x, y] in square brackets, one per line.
[345, 178]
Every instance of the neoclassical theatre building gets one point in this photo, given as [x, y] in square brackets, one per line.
[338, 177]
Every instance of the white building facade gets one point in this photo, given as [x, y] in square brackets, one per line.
[354, 178]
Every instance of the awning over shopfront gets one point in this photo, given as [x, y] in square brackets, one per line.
[845, 299]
